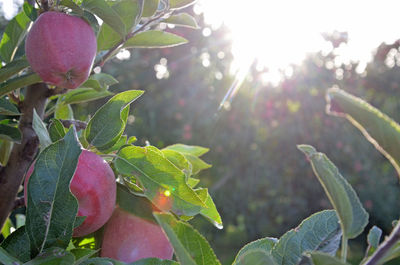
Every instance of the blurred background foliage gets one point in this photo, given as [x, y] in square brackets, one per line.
[260, 182]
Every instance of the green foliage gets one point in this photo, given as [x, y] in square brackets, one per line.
[319, 258]
[17, 244]
[40, 129]
[190, 247]
[176, 4]
[13, 68]
[13, 36]
[150, 7]
[7, 108]
[18, 82]
[154, 39]
[100, 82]
[257, 252]
[51, 207]
[183, 20]
[7, 259]
[81, 95]
[10, 133]
[352, 215]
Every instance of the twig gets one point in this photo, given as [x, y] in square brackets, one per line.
[382, 250]
[143, 27]
[22, 154]
[79, 125]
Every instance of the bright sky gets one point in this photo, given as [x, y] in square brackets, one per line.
[281, 32]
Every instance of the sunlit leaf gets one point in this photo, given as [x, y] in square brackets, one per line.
[51, 207]
[176, 4]
[80, 95]
[374, 236]
[154, 39]
[352, 215]
[5, 231]
[13, 36]
[256, 251]
[63, 111]
[183, 20]
[190, 247]
[72, 5]
[312, 234]
[188, 149]
[164, 184]
[179, 161]
[378, 128]
[101, 9]
[18, 82]
[108, 123]
[210, 213]
[99, 82]
[30, 11]
[82, 254]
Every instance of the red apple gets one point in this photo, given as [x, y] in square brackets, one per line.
[61, 49]
[93, 185]
[129, 238]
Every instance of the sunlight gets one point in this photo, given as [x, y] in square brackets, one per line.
[280, 33]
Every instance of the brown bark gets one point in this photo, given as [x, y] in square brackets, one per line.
[22, 154]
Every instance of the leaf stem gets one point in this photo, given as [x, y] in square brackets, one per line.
[344, 248]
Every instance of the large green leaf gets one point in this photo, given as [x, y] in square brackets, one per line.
[101, 9]
[56, 130]
[17, 244]
[154, 39]
[80, 95]
[7, 259]
[13, 36]
[319, 258]
[53, 256]
[378, 128]
[256, 252]
[163, 183]
[210, 213]
[13, 68]
[190, 247]
[7, 108]
[100, 82]
[183, 20]
[51, 207]
[352, 215]
[175, 4]
[18, 82]
[313, 233]
[108, 123]
[130, 12]
[150, 7]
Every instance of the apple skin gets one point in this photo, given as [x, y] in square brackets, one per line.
[61, 49]
[129, 238]
[93, 185]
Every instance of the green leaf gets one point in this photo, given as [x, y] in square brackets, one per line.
[102, 261]
[10, 133]
[7, 108]
[154, 261]
[13, 36]
[312, 234]
[210, 213]
[40, 129]
[18, 82]
[101, 9]
[188, 149]
[177, 4]
[51, 207]
[154, 39]
[197, 163]
[183, 20]
[80, 95]
[17, 244]
[179, 161]
[374, 236]
[63, 111]
[190, 247]
[319, 258]
[20, 220]
[150, 7]
[13, 68]
[30, 11]
[56, 130]
[5, 231]
[130, 12]
[108, 123]
[5, 151]
[7, 259]
[74, 7]
[158, 177]
[82, 254]
[256, 252]
[352, 215]
[192, 182]
[53, 256]
[92, 20]
[100, 82]
[379, 129]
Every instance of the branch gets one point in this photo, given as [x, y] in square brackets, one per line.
[382, 250]
[79, 125]
[143, 27]
[22, 154]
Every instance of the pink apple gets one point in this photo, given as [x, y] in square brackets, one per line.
[129, 238]
[94, 187]
[61, 49]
